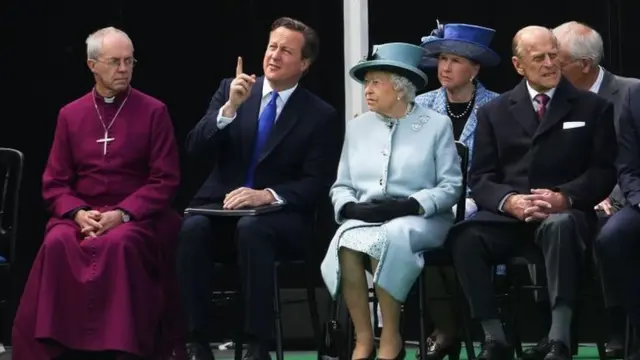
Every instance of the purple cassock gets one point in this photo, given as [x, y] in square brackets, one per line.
[118, 291]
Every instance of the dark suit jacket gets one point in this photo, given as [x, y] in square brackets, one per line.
[515, 152]
[614, 88]
[629, 146]
[299, 160]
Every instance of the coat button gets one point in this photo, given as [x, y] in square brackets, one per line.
[380, 182]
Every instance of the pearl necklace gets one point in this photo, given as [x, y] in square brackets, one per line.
[466, 110]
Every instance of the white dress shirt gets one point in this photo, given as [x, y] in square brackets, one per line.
[596, 85]
[281, 101]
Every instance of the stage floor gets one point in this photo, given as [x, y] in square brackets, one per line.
[587, 351]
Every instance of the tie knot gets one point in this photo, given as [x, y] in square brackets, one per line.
[542, 99]
[274, 96]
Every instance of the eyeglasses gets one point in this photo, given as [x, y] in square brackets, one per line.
[115, 62]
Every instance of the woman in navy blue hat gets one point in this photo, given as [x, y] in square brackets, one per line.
[458, 51]
[398, 177]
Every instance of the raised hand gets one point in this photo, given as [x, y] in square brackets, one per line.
[240, 86]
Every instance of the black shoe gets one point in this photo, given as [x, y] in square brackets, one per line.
[198, 351]
[493, 350]
[257, 351]
[615, 347]
[538, 351]
[558, 351]
[437, 351]
[401, 355]
[541, 349]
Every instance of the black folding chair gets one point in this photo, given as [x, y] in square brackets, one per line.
[442, 258]
[590, 292]
[11, 168]
[311, 264]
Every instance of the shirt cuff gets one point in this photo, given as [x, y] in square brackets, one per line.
[223, 121]
[279, 200]
[504, 199]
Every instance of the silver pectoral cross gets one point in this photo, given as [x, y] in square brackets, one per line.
[105, 141]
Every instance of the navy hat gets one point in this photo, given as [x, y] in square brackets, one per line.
[397, 58]
[468, 41]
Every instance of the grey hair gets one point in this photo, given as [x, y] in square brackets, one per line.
[404, 87]
[95, 40]
[581, 41]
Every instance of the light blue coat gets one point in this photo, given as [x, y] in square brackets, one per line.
[412, 157]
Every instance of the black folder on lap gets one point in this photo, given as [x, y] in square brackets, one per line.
[217, 210]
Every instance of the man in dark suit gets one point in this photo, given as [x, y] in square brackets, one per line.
[618, 242]
[294, 163]
[581, 51]
[542, 161]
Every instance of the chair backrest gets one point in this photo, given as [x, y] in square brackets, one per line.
[463, 153]
[11, 168]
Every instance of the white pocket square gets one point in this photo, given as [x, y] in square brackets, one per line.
[572, 124]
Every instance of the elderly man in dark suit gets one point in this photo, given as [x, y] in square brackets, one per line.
[618, 243]
[273, 142]
[581, 50]
[543, 161]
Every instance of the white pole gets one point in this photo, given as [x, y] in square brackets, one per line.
[356, 46]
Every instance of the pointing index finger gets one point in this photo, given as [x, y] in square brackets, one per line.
[239, 66]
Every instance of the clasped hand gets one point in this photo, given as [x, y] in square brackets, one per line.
[93, 223]
[536, 206]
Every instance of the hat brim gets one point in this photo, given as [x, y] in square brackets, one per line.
[466, 49]
[416, 76]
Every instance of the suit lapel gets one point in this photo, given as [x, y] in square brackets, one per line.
[288, 117]
[559, 107]
[522, 108]
[249, 119]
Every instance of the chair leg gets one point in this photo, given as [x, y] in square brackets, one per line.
[238, 340]
[313, 311]
[627, 338]
[422, 316]
[276, 308]
[512, 299]
[464, 320]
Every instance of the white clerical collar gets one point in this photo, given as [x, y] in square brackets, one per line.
[284, 94]
[109, 100]
[533, 93]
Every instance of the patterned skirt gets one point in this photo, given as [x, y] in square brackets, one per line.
[370, 240]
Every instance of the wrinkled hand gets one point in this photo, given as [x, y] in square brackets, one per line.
[516, 205]
[109, 220]
[240, 86]
[605, 206]
[543, 203]
[247, 198]
[88, 221]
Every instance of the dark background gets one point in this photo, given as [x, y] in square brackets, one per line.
[185, 48]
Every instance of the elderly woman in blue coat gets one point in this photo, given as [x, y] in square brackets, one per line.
[398, 178]
[458, 52]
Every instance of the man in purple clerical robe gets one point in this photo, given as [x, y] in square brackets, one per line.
[103, 283]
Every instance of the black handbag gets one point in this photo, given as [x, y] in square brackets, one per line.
[333, 337]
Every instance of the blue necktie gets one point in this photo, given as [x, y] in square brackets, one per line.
[265, 123]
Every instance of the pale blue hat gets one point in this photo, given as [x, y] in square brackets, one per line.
[398, 58]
